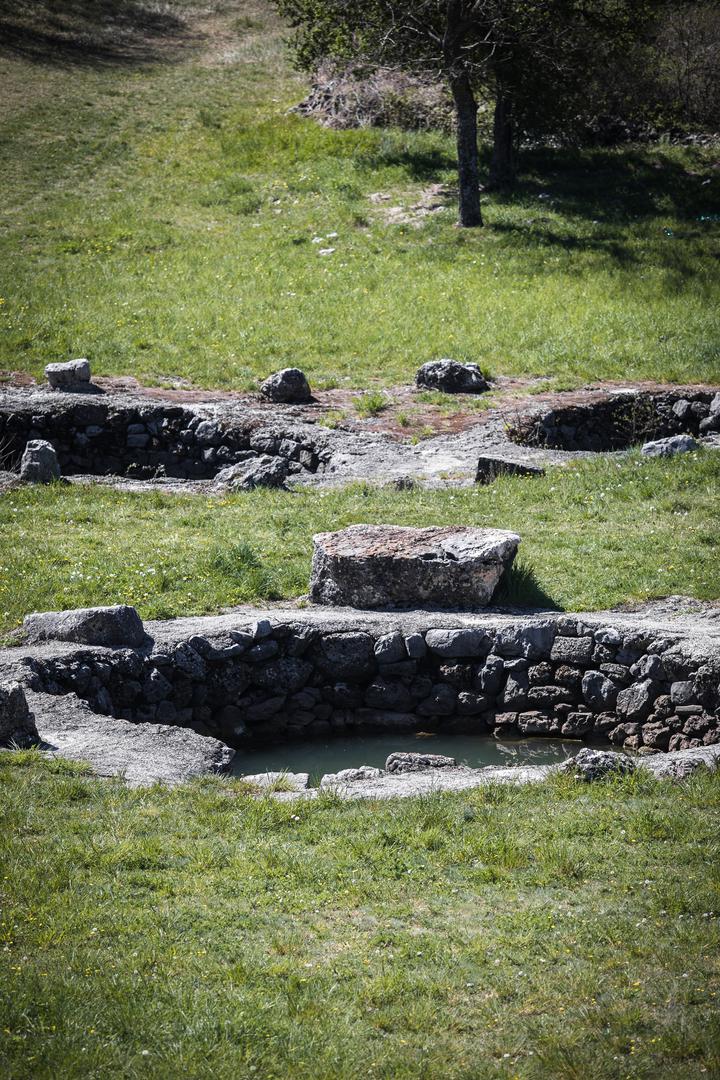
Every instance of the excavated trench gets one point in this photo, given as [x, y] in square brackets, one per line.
[618, 421]
[137, 440]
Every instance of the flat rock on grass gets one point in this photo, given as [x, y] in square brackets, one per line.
[386, 566]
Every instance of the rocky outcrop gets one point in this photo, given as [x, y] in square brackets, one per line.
[39, 463]
[388, 566]
[116, 626]
[138, 753]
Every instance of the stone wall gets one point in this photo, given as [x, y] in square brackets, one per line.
[305, 677]
[619, 421]
[142, 440]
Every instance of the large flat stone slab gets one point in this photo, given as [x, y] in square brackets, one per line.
[138, 753]
[393, 566]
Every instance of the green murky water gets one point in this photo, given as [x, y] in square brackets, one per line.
[328, 756]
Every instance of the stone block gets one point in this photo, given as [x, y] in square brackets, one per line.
[115, 626]
[388, 566]
[289, 387]
[17, 723]
[72, 375]
[451, 377]
[457, 643]
[39, 463]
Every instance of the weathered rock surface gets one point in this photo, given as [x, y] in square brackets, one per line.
[674, 444]
[452, 377]
[408, 762]
[289, 387]
[380, 566]
[261, 471]
[277, 781]
[73, 375]
[139, 753]
[17, 723]
[590, 764]
[116, 626]
[39, 463]
[346, 776]
[490, 466]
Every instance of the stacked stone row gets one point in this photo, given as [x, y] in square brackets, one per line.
[146, 441]
[269, 683]
[621, 421]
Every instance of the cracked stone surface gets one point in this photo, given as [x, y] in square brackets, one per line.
[375, 566]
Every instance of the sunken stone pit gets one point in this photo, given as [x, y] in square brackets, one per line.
[621, 420]
[250, 678]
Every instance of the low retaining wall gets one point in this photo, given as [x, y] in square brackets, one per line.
[619, 421]
[314, 672]
[141, 440]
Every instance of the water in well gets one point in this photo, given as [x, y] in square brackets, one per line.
[318, 757]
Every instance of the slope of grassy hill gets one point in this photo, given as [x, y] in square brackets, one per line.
[164, 215]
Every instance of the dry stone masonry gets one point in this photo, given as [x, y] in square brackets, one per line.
[621, 420]
[317, 672]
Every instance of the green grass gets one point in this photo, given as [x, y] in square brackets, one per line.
[554, 932]
[159, 218]
[593, 535]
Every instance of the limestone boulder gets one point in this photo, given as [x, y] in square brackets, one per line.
[287, 387]
[391, 566]
[675, 444]
[591, 764]
[114, 627]
[17, 723]
[261, 471]
[39, 463]
[73, 375]
[451, 377]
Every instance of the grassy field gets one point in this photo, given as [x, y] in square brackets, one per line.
[561, 932]
[595, 535]
[166, 217]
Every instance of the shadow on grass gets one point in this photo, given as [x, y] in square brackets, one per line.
[615, 186]
[90, 33]
[520, 588]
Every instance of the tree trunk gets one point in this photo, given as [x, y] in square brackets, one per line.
[467, 149]
[502, 164]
